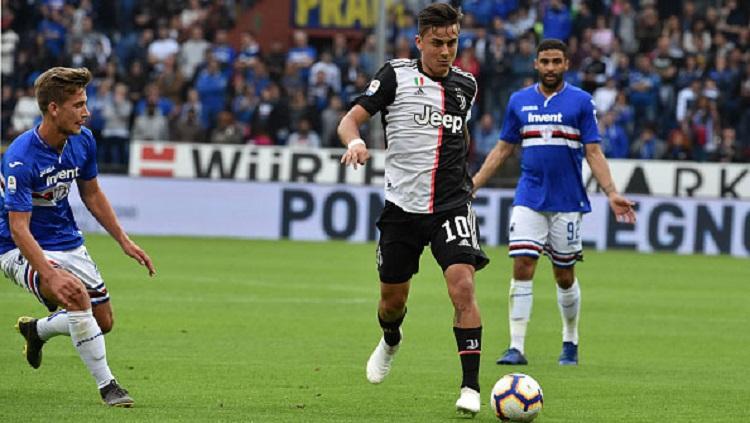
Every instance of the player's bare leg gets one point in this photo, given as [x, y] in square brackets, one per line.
[467, 328]
[569, 303]
[391, 313]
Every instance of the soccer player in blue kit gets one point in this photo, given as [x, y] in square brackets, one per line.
[41, 248]
[555, 124]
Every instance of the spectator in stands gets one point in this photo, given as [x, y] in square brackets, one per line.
[647, 146]
[557, 21]
[222, 51]
[249, 52]
[227, 131]
[678, 145]
[170, 81]
[53, 31]
[691, 37]
[728, 150]
[304, 136]
[211, 85]
[689, 72]
[26, 114]
[704, 122]
[137, 80]
[7, 109]
[162, 47]
[604, 96]
[644, 91]
[300, 108]
[320, 91]
[193, 52]
[602, 36]
[330, 119]
[244, 103]
[93, 42]
[76, 59]
[329, 69]
[301, 55]
[733, 20]
[271, 116]
[187, 128]
[594, 71]
[615, 142]
[151, 125]
[485, 136]
[648, 28]
[193, 15]
[522, 63]
[153, 95]
[117, 110]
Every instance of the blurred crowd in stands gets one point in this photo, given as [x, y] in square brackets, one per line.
[671, 78]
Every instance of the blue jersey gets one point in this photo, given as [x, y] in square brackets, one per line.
[36, 179]
[552, 133]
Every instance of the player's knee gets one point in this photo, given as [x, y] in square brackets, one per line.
[523, 267]
[564, 277]
[393, 304]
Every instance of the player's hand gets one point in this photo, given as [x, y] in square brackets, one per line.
[63, 285]
[133, 250]
[622, 207]
[356, 155]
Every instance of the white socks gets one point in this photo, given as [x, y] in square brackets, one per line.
[88, 339]
[520, 299]
[53, 325]
[569, 303]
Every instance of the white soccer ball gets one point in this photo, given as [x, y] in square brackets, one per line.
[516, 397]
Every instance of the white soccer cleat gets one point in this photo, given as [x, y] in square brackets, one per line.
[380, 360]
[469, 401]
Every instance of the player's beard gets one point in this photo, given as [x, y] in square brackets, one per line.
[551, 84]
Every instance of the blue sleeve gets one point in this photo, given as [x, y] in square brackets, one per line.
[89, 170]
[587, 122]
[17, 177]
[511, 131]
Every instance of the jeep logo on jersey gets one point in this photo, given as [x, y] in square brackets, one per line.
[435, 118]
[545, 117]
[63, 174]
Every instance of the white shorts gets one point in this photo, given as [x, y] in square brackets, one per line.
[533, 233]
[76, 261]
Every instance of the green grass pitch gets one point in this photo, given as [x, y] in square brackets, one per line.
[262, 331]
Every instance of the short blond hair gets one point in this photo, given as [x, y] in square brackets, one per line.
[59, 83]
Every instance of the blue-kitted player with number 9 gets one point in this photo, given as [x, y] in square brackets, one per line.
[555, 124]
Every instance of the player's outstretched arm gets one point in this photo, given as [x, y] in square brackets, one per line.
[492, 163]
[95, 200]
[348, 130]
[621, 206]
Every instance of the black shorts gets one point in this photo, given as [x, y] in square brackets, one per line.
[453, 236]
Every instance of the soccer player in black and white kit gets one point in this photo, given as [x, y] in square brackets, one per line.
[425, 106]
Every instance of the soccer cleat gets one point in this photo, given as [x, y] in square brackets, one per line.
[512, 356]
[468, 403]
[26, 326]
[115, 395]
[569, 354]
[380, 360]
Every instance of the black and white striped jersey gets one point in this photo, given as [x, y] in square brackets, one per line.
[424, 119]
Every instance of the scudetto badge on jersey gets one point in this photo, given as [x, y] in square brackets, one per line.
[12, 184]
[373, 88]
